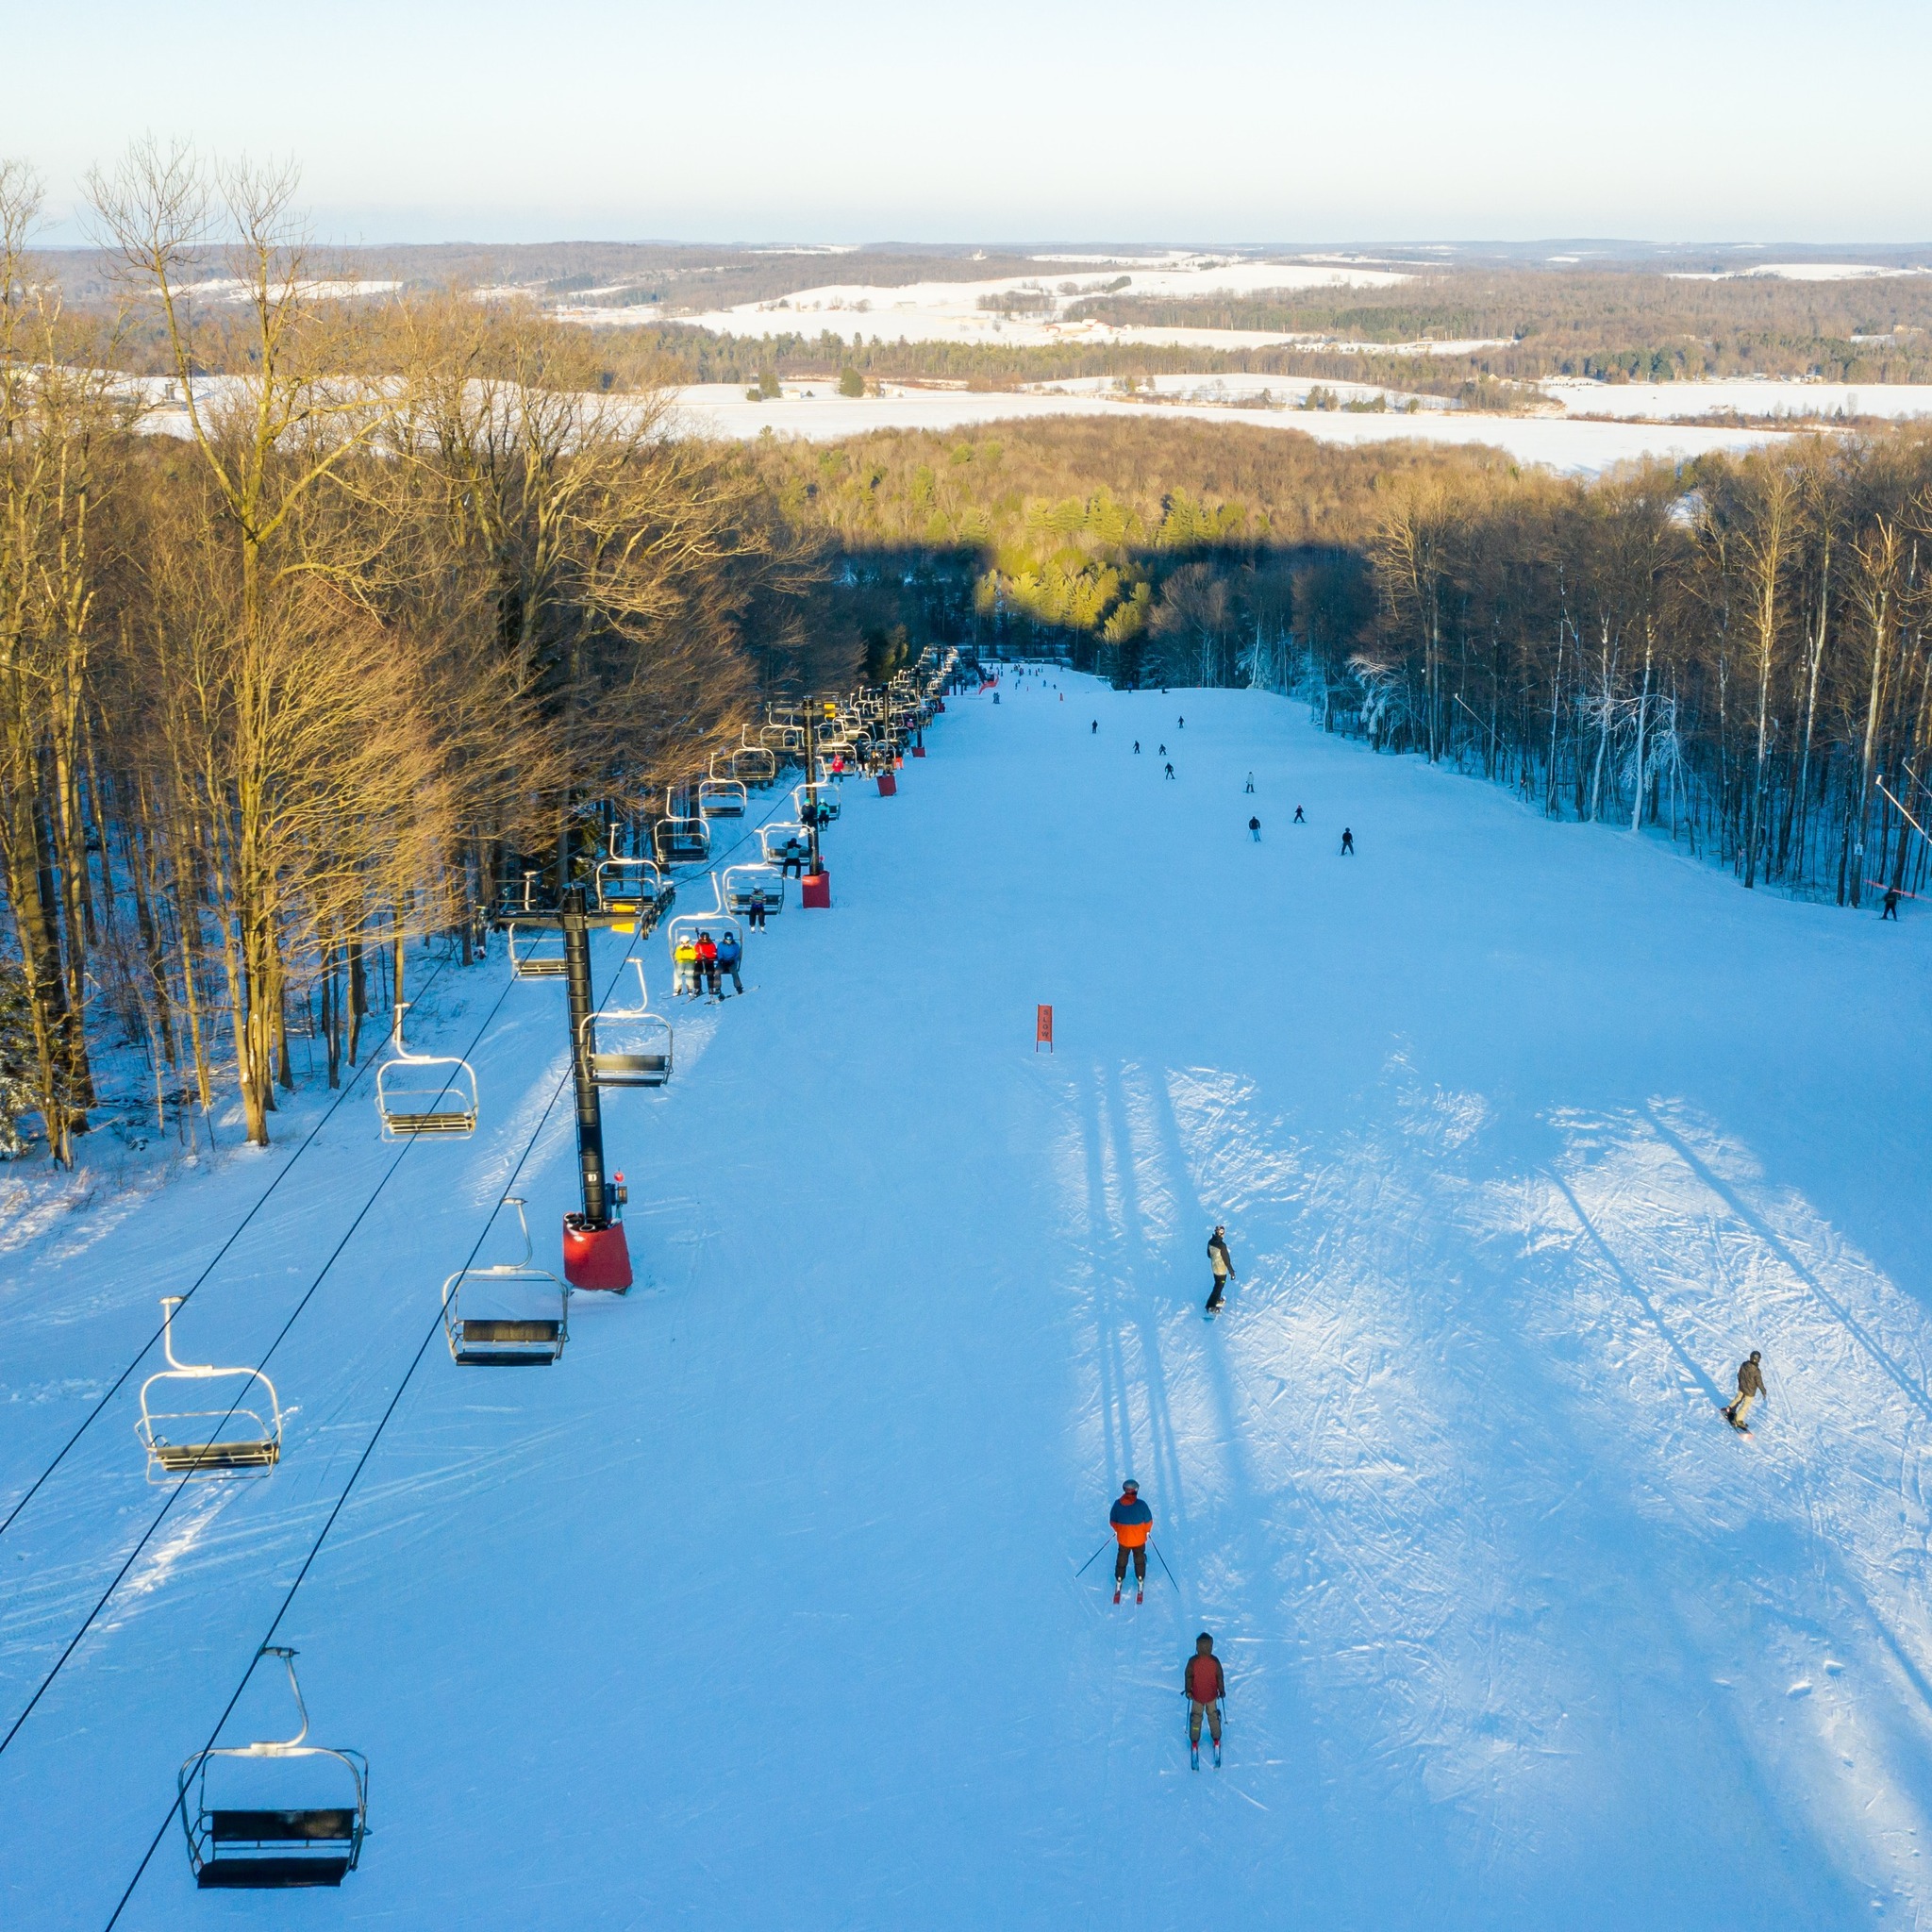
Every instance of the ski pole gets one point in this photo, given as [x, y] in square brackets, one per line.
[1089, 1564]
[1155, 1548]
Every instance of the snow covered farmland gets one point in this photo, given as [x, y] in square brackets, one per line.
[760, 1606]
[816, 410]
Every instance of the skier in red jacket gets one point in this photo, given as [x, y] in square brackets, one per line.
[1206, 1687]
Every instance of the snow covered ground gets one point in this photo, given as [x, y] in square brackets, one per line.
[760, 1606]
[957, 311]
[816, 410]
[1767, 396]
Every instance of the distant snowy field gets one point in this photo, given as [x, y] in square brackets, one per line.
[760, 1606]
[1751, 397]
[816, 410]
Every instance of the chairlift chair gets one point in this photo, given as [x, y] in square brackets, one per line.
[784, 844]
[681, 840]
[742, 881]
[228, 1441]
[828, 798]
[755, 764]
[542, 957]
[628, 1046]
[722, 798]
[627, 885]
[429, 1093]
[510, 1315]
[278, 1847]
[716, 920]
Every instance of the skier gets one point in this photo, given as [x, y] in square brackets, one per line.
[684, 960]
[1223, 1264]
[757, 912]
[1347, 842]
[1251, 782]
[730, 953]
[1892, 899]
[1094, 727]
[1183, 723]
[1750, 1387]
[1137, 747]
[1254, 830]
[1206, 1687]
[1160, 751]
[1133, 1524]
[1298, 818]
[1170, 771]
[707, 964]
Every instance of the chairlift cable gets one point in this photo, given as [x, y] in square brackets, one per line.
[88, 1420]
[361, 1461]
[175, 1493]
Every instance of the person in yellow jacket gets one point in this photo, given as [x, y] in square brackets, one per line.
[684, 963]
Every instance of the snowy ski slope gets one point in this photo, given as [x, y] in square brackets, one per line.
[759, 1608]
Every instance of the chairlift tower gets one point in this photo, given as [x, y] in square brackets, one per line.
[815, 888]
[595, 1253]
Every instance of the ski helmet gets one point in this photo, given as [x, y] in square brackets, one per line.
[1131, 1483]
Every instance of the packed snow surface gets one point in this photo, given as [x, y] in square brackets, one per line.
[762, 1606]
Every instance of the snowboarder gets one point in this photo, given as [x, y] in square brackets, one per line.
[1254, 830]
[1206, 1687]
[1251, 782]
[1137, 747]
[1347, 842]
[1170, 771]
[1750, 1387]
[1892, 899]
[1298, 818]
[1133, 1524]
[730, 953]
[1223, 1264]
[756, 913]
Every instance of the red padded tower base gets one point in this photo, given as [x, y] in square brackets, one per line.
[815, 889]
[595, 1256]
[887, 785]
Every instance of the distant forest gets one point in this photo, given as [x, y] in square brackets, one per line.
[1737, 652]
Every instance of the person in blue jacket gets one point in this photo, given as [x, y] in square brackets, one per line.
[730, 953]
[1133, 1524]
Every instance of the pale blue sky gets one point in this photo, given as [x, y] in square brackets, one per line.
[874, 119]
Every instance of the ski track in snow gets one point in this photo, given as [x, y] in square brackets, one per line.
[760, 1606]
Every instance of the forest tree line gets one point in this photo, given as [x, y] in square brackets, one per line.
[1737, 652]
[408, 602]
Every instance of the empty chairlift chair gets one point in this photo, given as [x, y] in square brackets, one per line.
[754, 765]
[239, 1436]
[743, 881]
[242, 1832]
[626, 885]
[628, 1046]
[720, 798]
[509, 1316]
[681, 840]
[420, 1094]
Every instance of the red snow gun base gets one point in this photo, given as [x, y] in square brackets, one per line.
[595, 1256]
[815, 889]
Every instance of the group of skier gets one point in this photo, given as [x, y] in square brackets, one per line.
[701, 964]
